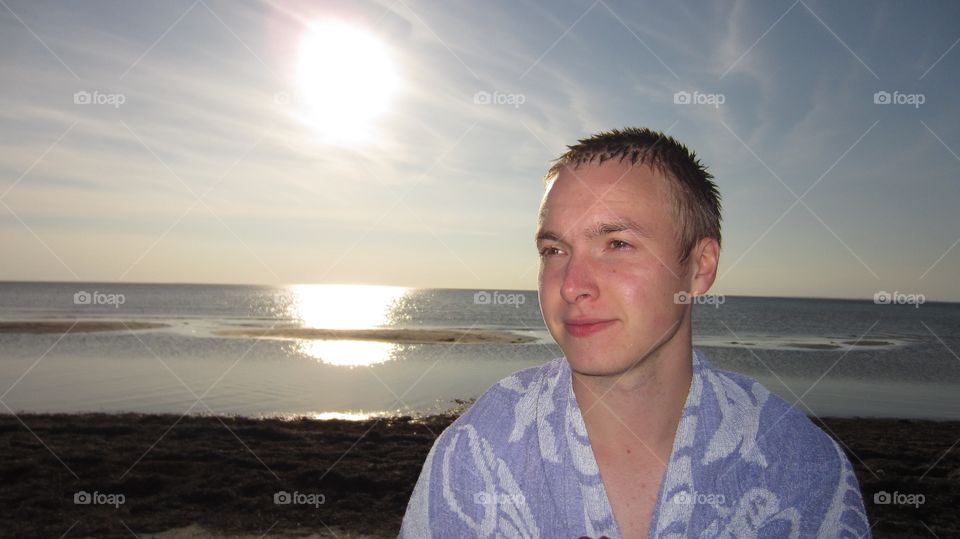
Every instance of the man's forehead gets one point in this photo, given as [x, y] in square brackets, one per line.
[627, 199]
[574, 204]
[593, 211]
[593, 225]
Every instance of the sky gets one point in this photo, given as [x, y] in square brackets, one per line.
[203, 141]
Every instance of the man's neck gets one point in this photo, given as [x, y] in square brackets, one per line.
[642, 406]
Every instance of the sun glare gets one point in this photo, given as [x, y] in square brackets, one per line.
[348, 353]
[346, 307]
[346, 77]
[330, 306]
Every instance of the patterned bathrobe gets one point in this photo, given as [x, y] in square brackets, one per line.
[743, 464]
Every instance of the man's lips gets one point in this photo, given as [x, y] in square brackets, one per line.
[586, 327]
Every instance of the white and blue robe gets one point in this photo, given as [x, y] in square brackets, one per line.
[744, 464]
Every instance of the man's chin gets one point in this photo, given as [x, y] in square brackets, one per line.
[591, 365]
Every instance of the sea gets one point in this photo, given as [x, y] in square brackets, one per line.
[827, 357]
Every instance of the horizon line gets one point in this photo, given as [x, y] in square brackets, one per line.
[284, 285]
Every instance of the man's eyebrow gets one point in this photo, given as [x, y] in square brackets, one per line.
[620, 225]
[546, 235]
[600, 229]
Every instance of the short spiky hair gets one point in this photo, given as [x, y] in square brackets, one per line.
[696, 198]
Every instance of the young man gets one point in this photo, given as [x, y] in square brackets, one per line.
[632, 433]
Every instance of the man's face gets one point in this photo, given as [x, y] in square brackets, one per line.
[609, 267]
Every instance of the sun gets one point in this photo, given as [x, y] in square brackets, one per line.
[347, 79]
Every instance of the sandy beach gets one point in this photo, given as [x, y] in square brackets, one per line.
[196, 476]
[77, 326]
[406, 336]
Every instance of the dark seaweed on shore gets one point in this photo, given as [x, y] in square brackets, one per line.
[226, 474]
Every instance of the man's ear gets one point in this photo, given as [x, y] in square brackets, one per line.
[704, 259]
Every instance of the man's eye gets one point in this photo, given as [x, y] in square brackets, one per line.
[549, 251]
[619, 244]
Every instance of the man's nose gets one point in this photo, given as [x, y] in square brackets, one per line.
[579, 279]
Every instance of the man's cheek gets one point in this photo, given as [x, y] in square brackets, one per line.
[550, 281]
[550, 301]
[631, 288]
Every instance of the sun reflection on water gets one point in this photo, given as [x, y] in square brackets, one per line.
[324, 416]
[348, 416]
[348, 353]
[346, 307]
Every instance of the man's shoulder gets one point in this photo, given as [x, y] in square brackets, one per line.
[777, 453]
[779, 428]
[483, 466]
[516, 390]
[509, 402]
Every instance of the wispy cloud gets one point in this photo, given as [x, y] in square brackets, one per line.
[211, 110]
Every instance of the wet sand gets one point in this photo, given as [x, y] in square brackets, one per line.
[78, 326]
[403, 336]
[406, 336]
[201, 476]
[832, 345]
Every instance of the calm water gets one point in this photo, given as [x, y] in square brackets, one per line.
[905, 364]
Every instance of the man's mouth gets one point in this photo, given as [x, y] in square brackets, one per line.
[586, 327]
